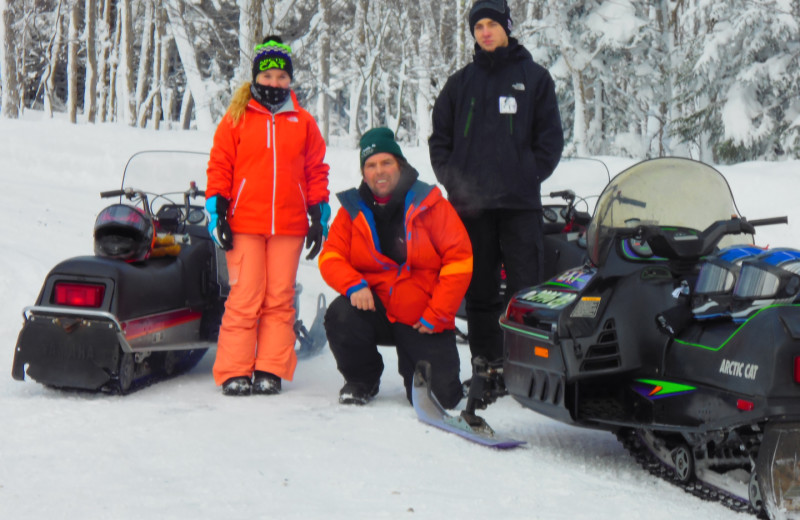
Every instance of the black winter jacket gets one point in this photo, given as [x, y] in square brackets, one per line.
[496, 131]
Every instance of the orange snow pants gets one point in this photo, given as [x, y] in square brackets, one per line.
[257, 331]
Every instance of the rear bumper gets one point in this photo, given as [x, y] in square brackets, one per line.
[534, 372]
[67, 352]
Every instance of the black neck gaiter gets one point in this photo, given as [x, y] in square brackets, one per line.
[270, 97]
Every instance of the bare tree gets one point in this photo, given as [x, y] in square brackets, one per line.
[196, 95]
[8, 63]
[145, 60]
[72, 61]
[90, 37]
[249, 27]
[123, 86]
[324, 63]
[104, 53]
[52, 52]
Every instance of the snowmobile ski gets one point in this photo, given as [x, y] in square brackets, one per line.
[431, 412]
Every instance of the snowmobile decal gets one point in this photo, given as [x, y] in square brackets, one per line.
[738, 329]
[548, 298]
[738, 369]
[654, 389]
[152, 324]
[574, 279]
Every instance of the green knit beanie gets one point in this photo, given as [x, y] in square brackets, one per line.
[378, 140]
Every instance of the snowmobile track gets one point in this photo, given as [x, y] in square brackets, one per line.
[642, 454]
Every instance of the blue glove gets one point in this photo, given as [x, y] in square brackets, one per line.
[218, 227]
[318, 230]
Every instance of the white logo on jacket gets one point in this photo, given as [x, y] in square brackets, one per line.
[508, 105]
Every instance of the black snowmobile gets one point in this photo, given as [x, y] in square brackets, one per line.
[675, 335]
[148, 304]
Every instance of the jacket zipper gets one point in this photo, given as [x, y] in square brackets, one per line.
[238, 194]
[469, 117]
[274, 172]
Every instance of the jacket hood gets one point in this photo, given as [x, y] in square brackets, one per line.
[513, 52]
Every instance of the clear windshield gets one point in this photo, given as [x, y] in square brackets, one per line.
[166, 172]
[666, 192]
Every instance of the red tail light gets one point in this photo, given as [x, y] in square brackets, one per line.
[79, 294]
[797, 369]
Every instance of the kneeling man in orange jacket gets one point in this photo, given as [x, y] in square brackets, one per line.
[401, 259]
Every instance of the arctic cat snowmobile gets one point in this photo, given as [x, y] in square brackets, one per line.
[148, 304]
[675, 335]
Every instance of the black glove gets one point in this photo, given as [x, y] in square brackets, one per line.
[218, 226]
[319, 213]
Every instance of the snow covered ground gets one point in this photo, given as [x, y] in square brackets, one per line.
[180, 449]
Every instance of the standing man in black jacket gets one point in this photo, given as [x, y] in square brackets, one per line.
[496, 136]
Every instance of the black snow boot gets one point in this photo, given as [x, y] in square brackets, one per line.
[237, 386]
[265, 383]
[358, 393]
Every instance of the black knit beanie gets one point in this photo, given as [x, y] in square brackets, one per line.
[496, 10]
[272, 53]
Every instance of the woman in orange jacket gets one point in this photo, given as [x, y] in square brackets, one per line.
[401, 259]
[266, 173]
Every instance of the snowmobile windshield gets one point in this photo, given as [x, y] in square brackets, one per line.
[661, 192]
[166, 172]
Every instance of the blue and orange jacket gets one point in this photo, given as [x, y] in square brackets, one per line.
[430, 285]
[269, 166]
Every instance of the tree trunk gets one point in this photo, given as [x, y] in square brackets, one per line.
[72, 62]
[105, 50]
[426, 71]
[194, 80]
[249, 25]
[158, 78]
[145, 61]
[49, 76]
[324, 61]
[90, 88]
[579, 126]
[359, 62]
[186, 110]
[463, 39]
[126, 101]
[8, 63]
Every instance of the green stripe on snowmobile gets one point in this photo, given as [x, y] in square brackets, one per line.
[740, 327]
[525, 332]
[558, 284]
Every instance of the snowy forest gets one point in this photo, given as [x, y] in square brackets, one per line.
[716, 80]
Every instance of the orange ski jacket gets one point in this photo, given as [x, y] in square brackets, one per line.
[269, 166]
[430, 285]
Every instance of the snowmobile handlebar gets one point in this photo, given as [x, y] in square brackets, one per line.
[769, 221]
[128, 193]
[683, 243]
[567, 195]
[112, 193]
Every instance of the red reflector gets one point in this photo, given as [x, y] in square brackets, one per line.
[797, 369]
[79, 295]
[743, 405]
